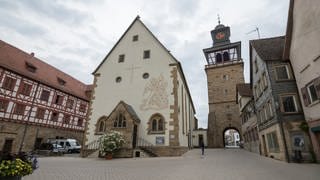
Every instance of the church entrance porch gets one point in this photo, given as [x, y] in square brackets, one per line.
[231, 137]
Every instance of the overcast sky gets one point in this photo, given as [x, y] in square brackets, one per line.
[75, 35]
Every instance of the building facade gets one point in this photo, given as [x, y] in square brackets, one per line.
[248, 116]
[37, 102]
[224, 70]
[277, 105]
[147, 94]
[302, 48]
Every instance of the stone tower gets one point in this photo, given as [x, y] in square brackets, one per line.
[224, 70]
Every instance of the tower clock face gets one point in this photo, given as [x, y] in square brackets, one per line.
[220, 35]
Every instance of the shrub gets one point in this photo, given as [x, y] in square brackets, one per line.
[111, 142]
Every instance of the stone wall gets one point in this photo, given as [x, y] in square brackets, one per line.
[15, 131]
[223, 110]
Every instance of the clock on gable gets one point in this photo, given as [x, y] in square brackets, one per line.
[220, 34]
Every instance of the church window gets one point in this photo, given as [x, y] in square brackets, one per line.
[118, 79]
[226, 56]
[45, 95]
[156, 124]
[9, 83]
[101, 125]
[218, 58]
[121, 58]
[146, 54]
[120, 121]
[135, 38]
[145, 75]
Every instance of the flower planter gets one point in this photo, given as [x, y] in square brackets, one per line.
[108, 156]
[11, 178]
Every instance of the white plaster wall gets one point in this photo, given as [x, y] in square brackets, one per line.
[108, 93]
[305, 48]
[195, 137]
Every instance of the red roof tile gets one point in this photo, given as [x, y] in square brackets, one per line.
[17, 60]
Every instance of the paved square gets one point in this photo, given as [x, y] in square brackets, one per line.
[218, 164]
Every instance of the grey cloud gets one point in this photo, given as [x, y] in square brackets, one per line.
[55, 10]
[21, 26]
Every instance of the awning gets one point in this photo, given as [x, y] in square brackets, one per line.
[315, 129]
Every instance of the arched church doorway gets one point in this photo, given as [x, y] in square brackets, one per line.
[231, 138]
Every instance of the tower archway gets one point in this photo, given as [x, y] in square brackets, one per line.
[231, 137]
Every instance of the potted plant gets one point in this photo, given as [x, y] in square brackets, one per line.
[110, 143]
[13, 167]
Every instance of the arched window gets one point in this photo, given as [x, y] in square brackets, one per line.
[218, 58]
[156, 124]
[101, 125]
[160, 125]
[120, 121]
[226, 56]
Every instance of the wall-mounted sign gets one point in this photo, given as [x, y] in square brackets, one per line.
[160, 140]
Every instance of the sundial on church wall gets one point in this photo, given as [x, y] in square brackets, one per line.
[155, 94]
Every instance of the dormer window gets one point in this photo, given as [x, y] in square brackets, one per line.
[61, 81]
[30, 67]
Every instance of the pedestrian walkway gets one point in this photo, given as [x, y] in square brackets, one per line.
[217, 164]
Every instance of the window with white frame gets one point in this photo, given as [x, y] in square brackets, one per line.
[289, 103]
[312, 93]
[282, 72]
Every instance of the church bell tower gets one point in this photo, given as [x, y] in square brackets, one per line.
[224, 70]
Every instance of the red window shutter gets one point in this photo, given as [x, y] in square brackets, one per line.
[305, 96]
[317, 86]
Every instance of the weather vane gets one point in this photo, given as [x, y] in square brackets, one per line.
[218, 19]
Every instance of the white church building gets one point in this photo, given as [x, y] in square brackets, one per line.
[140, 90]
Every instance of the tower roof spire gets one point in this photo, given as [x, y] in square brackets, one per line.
[219, 19]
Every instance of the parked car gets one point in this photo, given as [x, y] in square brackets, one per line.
[70, 145]
[58, 148]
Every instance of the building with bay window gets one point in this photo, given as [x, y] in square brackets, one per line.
[277, 102]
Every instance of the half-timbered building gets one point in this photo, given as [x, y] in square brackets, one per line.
[37, 102]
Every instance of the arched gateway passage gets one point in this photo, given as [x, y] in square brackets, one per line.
[231, 138]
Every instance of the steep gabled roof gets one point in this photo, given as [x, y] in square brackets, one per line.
[129, 109]
[269, 48]
[176, 61]
[18, 61]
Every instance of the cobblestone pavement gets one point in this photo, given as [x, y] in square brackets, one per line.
[217, 164]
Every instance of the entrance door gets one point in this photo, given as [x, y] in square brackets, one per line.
[200, 139]
[7, 147]
[134, 136]
[264, 146]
